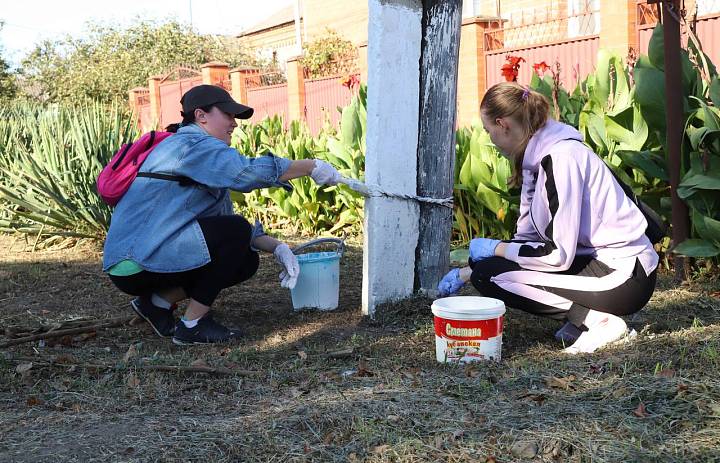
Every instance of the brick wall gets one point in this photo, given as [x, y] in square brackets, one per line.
[347, 17]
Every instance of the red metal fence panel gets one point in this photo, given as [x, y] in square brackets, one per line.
[170, 93]
[708, 32]
[707, 29]
[268, 101]
[577, 59]
[322, 98]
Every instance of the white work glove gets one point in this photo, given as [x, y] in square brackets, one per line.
[291, 268]
[325, 174]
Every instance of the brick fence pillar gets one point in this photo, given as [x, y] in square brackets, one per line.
[471, 69]
[215, 73]
[133, 96]
[296, 90]
[239, 81]
[618, 28]
[154, 87]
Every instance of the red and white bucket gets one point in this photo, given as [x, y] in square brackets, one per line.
[468, 328]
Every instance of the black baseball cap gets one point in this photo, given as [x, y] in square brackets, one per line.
[213, 95]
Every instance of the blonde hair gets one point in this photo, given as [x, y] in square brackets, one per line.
[526, 107]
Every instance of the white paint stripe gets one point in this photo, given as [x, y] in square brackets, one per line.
[391, 225]
[574, 282]
[533, 293]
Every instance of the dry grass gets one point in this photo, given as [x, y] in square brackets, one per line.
[654, 398]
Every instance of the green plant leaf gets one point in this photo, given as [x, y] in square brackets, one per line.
[697, 248]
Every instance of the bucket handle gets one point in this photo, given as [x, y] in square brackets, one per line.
[337, 241]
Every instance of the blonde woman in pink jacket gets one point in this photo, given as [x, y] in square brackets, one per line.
[580, 254]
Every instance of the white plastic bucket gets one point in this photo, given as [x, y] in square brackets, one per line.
[318, 285]
[468, 328]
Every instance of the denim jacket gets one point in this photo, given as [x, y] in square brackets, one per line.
[155, 223]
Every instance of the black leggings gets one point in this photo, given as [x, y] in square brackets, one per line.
[562, 295]
[231, 262]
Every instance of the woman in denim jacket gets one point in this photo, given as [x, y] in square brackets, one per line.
[170, 241]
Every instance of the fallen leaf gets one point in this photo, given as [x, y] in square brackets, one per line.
[524, 449]
[537, 398]
[362, 369]
[665, 373]
[620, 393]
[560, 383]
[32, 401]
[640, 411]
[23, 368]
[64, 359]
[131, 353]
[490, 459]
[132, 380]
[682, 387]
[199, 363]
[302, 355]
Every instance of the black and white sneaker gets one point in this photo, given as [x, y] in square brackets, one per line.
[161, 320]
[207, 331]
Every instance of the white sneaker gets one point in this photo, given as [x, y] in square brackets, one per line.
[603, 328]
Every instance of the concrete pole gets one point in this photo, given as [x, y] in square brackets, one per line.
[391, 225]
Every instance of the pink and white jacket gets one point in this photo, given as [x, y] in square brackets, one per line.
[572, 205]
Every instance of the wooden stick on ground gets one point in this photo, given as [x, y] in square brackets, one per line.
[168, 368]
[111, 323]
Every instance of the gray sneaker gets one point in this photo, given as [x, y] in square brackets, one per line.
[207, 331]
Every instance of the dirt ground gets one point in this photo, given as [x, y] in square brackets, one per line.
[335, 386]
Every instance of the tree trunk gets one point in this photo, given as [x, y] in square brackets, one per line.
[436, 138]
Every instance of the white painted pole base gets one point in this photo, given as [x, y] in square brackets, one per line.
[391, 225]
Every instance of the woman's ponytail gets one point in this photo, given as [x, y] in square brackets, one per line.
[527, 107]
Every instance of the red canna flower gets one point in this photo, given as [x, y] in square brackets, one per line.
[510, 69]
[540, 67]
[351, 81]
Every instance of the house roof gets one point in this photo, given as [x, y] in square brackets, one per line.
[280, 18]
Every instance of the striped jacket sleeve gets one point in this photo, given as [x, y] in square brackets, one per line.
[525, 229]
[560, 187]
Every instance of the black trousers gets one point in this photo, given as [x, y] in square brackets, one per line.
[561, 295]
[231, 262]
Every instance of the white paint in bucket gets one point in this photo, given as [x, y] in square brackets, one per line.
[318, 284]
[468, 328]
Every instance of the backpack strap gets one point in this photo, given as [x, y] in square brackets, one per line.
[181, 179]
[120, 158]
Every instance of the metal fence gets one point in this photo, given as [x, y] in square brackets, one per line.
[322, 99]
[568, 38]
[706, 24]
[268, 100]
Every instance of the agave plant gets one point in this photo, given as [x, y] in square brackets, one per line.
[51, 157]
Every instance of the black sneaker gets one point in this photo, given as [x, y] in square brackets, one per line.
[207, 331]
[161, 320]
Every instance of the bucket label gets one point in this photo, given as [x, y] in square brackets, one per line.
[468, 340]
[464, 330]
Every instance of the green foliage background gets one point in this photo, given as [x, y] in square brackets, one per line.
[111, 60]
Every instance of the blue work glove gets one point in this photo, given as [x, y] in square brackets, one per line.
[482, 248]
[451, 283]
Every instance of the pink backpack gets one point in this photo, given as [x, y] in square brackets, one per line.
[116, 178]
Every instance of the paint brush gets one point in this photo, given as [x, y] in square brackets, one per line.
[356, 185]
